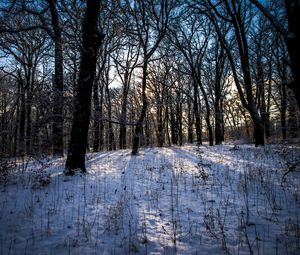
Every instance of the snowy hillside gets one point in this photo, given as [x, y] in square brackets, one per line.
[178, 200]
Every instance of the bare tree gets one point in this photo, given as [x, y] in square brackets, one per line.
[216, 81]
[27, 48]
[150, 21]
[126, 61]
[57, 132]
[91, 41]
[235, 13]
[191, 39]
[291, 37]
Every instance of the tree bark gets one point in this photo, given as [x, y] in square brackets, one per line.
[207, 115]
[179, 118]
[139, 124]
[258, 128]
[167, 126]
[190, 122]
[16, 131]
[28, 121]
[218, 125]
[123, 118]
[91, 41]
[57, 126]
[247, 99]
[291, 37]
[217, 103]
[101, 122]
[21, 142]
[244, 58]
[111, 136]
[160, 126]
[196, 110]
[174, 128]
[96, 117]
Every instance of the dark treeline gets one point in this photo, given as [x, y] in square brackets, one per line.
[79, 76]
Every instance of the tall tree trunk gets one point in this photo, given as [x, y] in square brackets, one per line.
[167, 125]
[293, 42]
[29, 97]
[223, 123]
[147, 134]
[190, 122]
[139, 124]
[173, 124]
[28, 122]
[207, 115]
[123, 119]
[220, 62]
[16, 132]
[132, 120]
[292, 116]
[160, 126]
[258, 126]
[91, 41]
[179, 118]
[101, 123]
[21, 142]
[209, 128]
[96, 117]
[111, 136]
[218, 124]
[57, 125]
[293, 47]
[262, 98]
[196, 105]
[218, 112]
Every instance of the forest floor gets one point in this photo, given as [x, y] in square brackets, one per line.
[175, 200]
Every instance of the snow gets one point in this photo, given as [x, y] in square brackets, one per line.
[173, 200]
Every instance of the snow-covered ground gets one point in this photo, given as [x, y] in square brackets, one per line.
[177, 200]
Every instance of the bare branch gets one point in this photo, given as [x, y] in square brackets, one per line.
[271, 18]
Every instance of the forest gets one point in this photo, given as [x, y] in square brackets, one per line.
[101, 100]
[155, 73]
